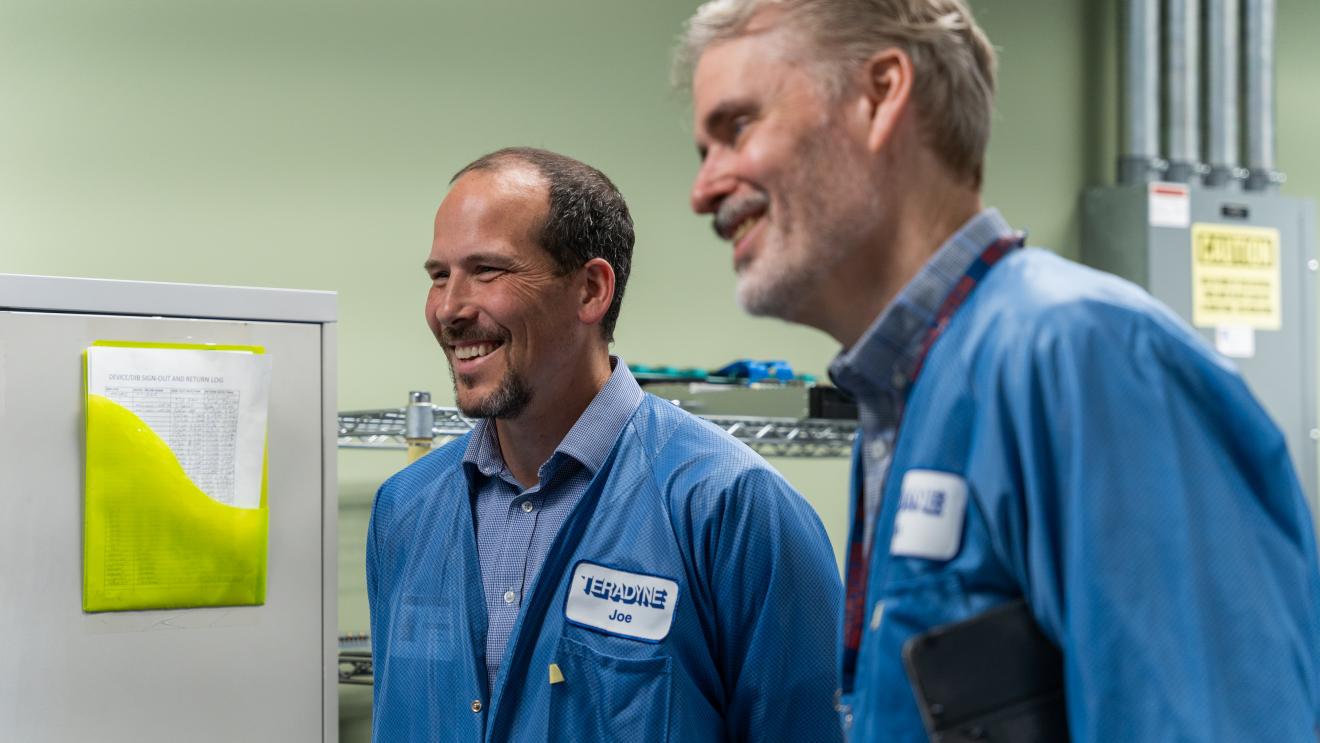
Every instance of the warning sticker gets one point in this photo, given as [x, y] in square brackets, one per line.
[1235, 276]
[1169, 205]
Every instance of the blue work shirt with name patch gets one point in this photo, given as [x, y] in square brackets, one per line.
[1122, 479]
[744, 647]
[516, 526]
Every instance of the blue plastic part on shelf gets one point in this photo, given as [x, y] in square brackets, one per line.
[757, 371]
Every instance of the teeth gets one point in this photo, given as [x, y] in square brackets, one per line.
[473, 351]
[744, 227]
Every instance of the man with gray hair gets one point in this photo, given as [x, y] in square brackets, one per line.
[1032, 430]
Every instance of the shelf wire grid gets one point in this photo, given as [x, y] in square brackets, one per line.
[769, 437]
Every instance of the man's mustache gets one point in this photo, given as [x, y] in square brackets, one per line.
[469, 333]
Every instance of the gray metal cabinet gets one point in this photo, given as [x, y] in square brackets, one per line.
[253, 673]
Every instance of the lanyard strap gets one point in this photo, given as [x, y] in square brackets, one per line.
[859, 553]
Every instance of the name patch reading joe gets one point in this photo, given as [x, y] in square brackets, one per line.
[620, 603]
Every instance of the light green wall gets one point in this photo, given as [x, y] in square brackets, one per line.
[306, 144]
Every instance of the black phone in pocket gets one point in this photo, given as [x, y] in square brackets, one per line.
[989, 679]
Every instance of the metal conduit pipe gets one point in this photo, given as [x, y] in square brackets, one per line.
[1182, 87]
[1139, 160]
[1258, 71]
[1221, 92]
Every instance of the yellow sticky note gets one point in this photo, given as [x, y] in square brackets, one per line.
[556, 675]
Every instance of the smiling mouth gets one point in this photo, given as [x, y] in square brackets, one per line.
[737, 215]
[475, 350]
[744, 227]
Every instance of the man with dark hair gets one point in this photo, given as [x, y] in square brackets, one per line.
[587, 217]
[590, 563]
[1038, 438]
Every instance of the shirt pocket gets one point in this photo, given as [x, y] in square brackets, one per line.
[424, 629]
[916, 604]
[602, 697]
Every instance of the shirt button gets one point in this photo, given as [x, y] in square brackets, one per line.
[509, 596]
[476, 705]
[879, 449]
[899, 380]
[527, 506]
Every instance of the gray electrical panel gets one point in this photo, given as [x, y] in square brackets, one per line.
[1240, 267]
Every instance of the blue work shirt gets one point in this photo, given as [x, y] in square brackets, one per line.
[893, 342]
[690, 595]
[516, 526]
[1097, 458]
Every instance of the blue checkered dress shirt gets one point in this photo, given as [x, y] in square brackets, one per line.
[515, 527]
[874, 370]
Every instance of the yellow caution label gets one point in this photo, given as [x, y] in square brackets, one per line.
[1235, 276]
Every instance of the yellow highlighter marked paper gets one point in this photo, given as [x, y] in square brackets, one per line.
[176, 510]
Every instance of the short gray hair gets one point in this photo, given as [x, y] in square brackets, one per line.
[953, 61]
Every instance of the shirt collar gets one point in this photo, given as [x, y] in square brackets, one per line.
[590, 439]
[880, 360]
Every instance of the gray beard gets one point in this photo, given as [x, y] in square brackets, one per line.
[773, 296]
[788, 289]
[507, 401]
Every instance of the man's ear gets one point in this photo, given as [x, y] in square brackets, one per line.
[597, 290]
[886, 92]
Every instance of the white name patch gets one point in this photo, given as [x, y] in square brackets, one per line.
[931, 509]
[619, 603]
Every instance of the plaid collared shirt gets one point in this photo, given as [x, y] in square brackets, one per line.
[875, 369]
[516, 526]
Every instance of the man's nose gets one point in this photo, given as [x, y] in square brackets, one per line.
[712, 184]
[455, 305]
